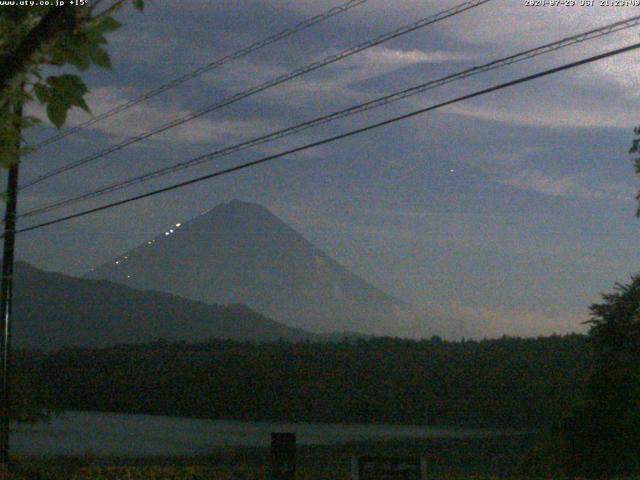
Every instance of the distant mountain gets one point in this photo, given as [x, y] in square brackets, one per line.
[240, 252]
[54, 310]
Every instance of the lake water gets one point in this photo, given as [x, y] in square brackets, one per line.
[75, 433]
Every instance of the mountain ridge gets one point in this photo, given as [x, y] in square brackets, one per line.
[240, 252]
[53, 310]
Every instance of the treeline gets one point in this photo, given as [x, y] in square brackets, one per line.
[509, 382]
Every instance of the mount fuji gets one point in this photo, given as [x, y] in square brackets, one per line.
[241, 253]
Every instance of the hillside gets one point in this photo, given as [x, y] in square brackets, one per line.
[54, 310]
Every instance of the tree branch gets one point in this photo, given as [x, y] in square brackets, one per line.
[94, 5]
[110, 10]
[57, 19]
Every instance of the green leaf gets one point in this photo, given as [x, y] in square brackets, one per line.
[79, 60]
[67, 86]
[138, 5]
[108, 24]
[57, 112]
[80, 102]
[64, 91]
[95, 37]
[42, 92]
[101, 58]
[74, 50]
[26, 121]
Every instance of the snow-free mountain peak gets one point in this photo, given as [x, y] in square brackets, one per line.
[240, 252]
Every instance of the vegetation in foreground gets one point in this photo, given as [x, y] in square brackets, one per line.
[601, 437]
[447, 458]
[204, 473]
[510, 382]
[582, 391]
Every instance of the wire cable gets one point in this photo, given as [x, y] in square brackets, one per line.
[264, 86]
[206, 68]
[378, 102]
[341, 136]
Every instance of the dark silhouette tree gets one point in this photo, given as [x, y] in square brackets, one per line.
[32, 39]
[602, 435]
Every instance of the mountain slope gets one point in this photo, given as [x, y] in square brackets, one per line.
[52, 310]
[241, 253]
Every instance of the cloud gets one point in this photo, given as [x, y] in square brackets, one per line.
[332, 84]
[513, 24]
[305, 90]
[383, 59]
[455, 319]
[490, 30]
[621, 76]
[145, 117]
[572, 186]
[552, 111]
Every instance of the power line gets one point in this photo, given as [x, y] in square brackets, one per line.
[264, 86]
[206, 68]
[385, 100]
[350, 133]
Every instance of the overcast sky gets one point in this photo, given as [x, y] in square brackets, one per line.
[511, 212]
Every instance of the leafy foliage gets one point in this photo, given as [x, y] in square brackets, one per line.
[32, 401]
[31, 39]
[60, 94]
[76, 469]
[487, 458]
[37, 37]
[635, 150]
[507, 382]
[602, 435]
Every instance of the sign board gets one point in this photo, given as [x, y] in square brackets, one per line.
[388, 468]
[283, 456]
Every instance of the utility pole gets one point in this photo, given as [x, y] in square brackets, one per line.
[6, 293]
